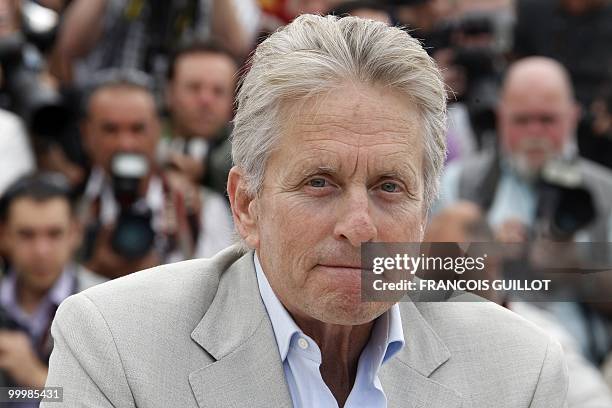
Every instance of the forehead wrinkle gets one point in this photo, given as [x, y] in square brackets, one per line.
[317, 132]
[324, 160]
[316, 118]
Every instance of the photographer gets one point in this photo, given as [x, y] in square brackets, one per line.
[138, 215]
[537, 118]
[39, 235]
[199, 96]
[139, 34]
[535, 185]
[27, 32]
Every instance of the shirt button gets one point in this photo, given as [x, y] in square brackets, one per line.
[303, 343]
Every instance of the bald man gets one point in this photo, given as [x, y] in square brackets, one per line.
[537, 117]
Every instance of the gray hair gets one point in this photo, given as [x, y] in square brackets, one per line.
[314, 55]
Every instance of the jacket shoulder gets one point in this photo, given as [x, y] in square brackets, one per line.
[483, 323]
[496, 355]
[187, 286]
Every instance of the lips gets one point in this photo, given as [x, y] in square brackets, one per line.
[344, 266]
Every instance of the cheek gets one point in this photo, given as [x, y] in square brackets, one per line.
[292, 225]
[409, 230]
[292, 232]
[22, 256]
[105, 151]
[559, 134]
[402, 222]
[225, 107]
[512, 136]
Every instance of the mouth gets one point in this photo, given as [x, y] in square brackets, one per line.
[346, 267]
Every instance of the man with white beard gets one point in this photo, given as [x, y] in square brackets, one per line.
[536, 120]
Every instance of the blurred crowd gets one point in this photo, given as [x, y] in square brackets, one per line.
[115, 117]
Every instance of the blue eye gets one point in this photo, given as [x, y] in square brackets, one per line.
[389, 187]
[318, 183]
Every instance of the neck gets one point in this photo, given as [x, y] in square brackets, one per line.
[341, 347]
[28, 298]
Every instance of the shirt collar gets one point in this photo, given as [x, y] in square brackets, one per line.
[61, 289]
[36, 322]
[387, 332]
[63, 286]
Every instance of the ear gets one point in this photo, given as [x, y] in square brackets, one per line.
[244, 208]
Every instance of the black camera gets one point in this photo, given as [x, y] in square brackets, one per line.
[133, 236]
[565, 205]
[41, 106]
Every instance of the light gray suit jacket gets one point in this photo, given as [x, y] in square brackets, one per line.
[196, 334]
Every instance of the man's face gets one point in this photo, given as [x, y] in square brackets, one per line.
[121, 119]
[348, 169]
[40, 237]
[201, 94]
[535, 123]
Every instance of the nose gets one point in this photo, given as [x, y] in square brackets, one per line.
[535, 125]
[355, 223]
[128, 142]
[205, 96]
[42, 247]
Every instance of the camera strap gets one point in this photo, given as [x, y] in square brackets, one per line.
[479, 179]
[182, 223]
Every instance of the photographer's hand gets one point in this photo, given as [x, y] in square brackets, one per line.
[190, 167]
[511, 231]
[19, 360]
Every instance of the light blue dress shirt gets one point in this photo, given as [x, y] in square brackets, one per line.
[514, 197]
[301, 356]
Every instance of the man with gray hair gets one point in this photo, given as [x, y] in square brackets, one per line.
[338, 140]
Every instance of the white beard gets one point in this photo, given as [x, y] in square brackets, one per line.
[519, 163]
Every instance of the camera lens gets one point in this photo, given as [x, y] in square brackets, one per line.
[133, 236]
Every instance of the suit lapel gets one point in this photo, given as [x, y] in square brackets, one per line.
[406, 377]
[237, 333]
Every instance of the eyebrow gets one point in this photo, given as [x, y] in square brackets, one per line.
[310, 171]
[405, 172]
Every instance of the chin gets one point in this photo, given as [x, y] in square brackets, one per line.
[351, 312]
